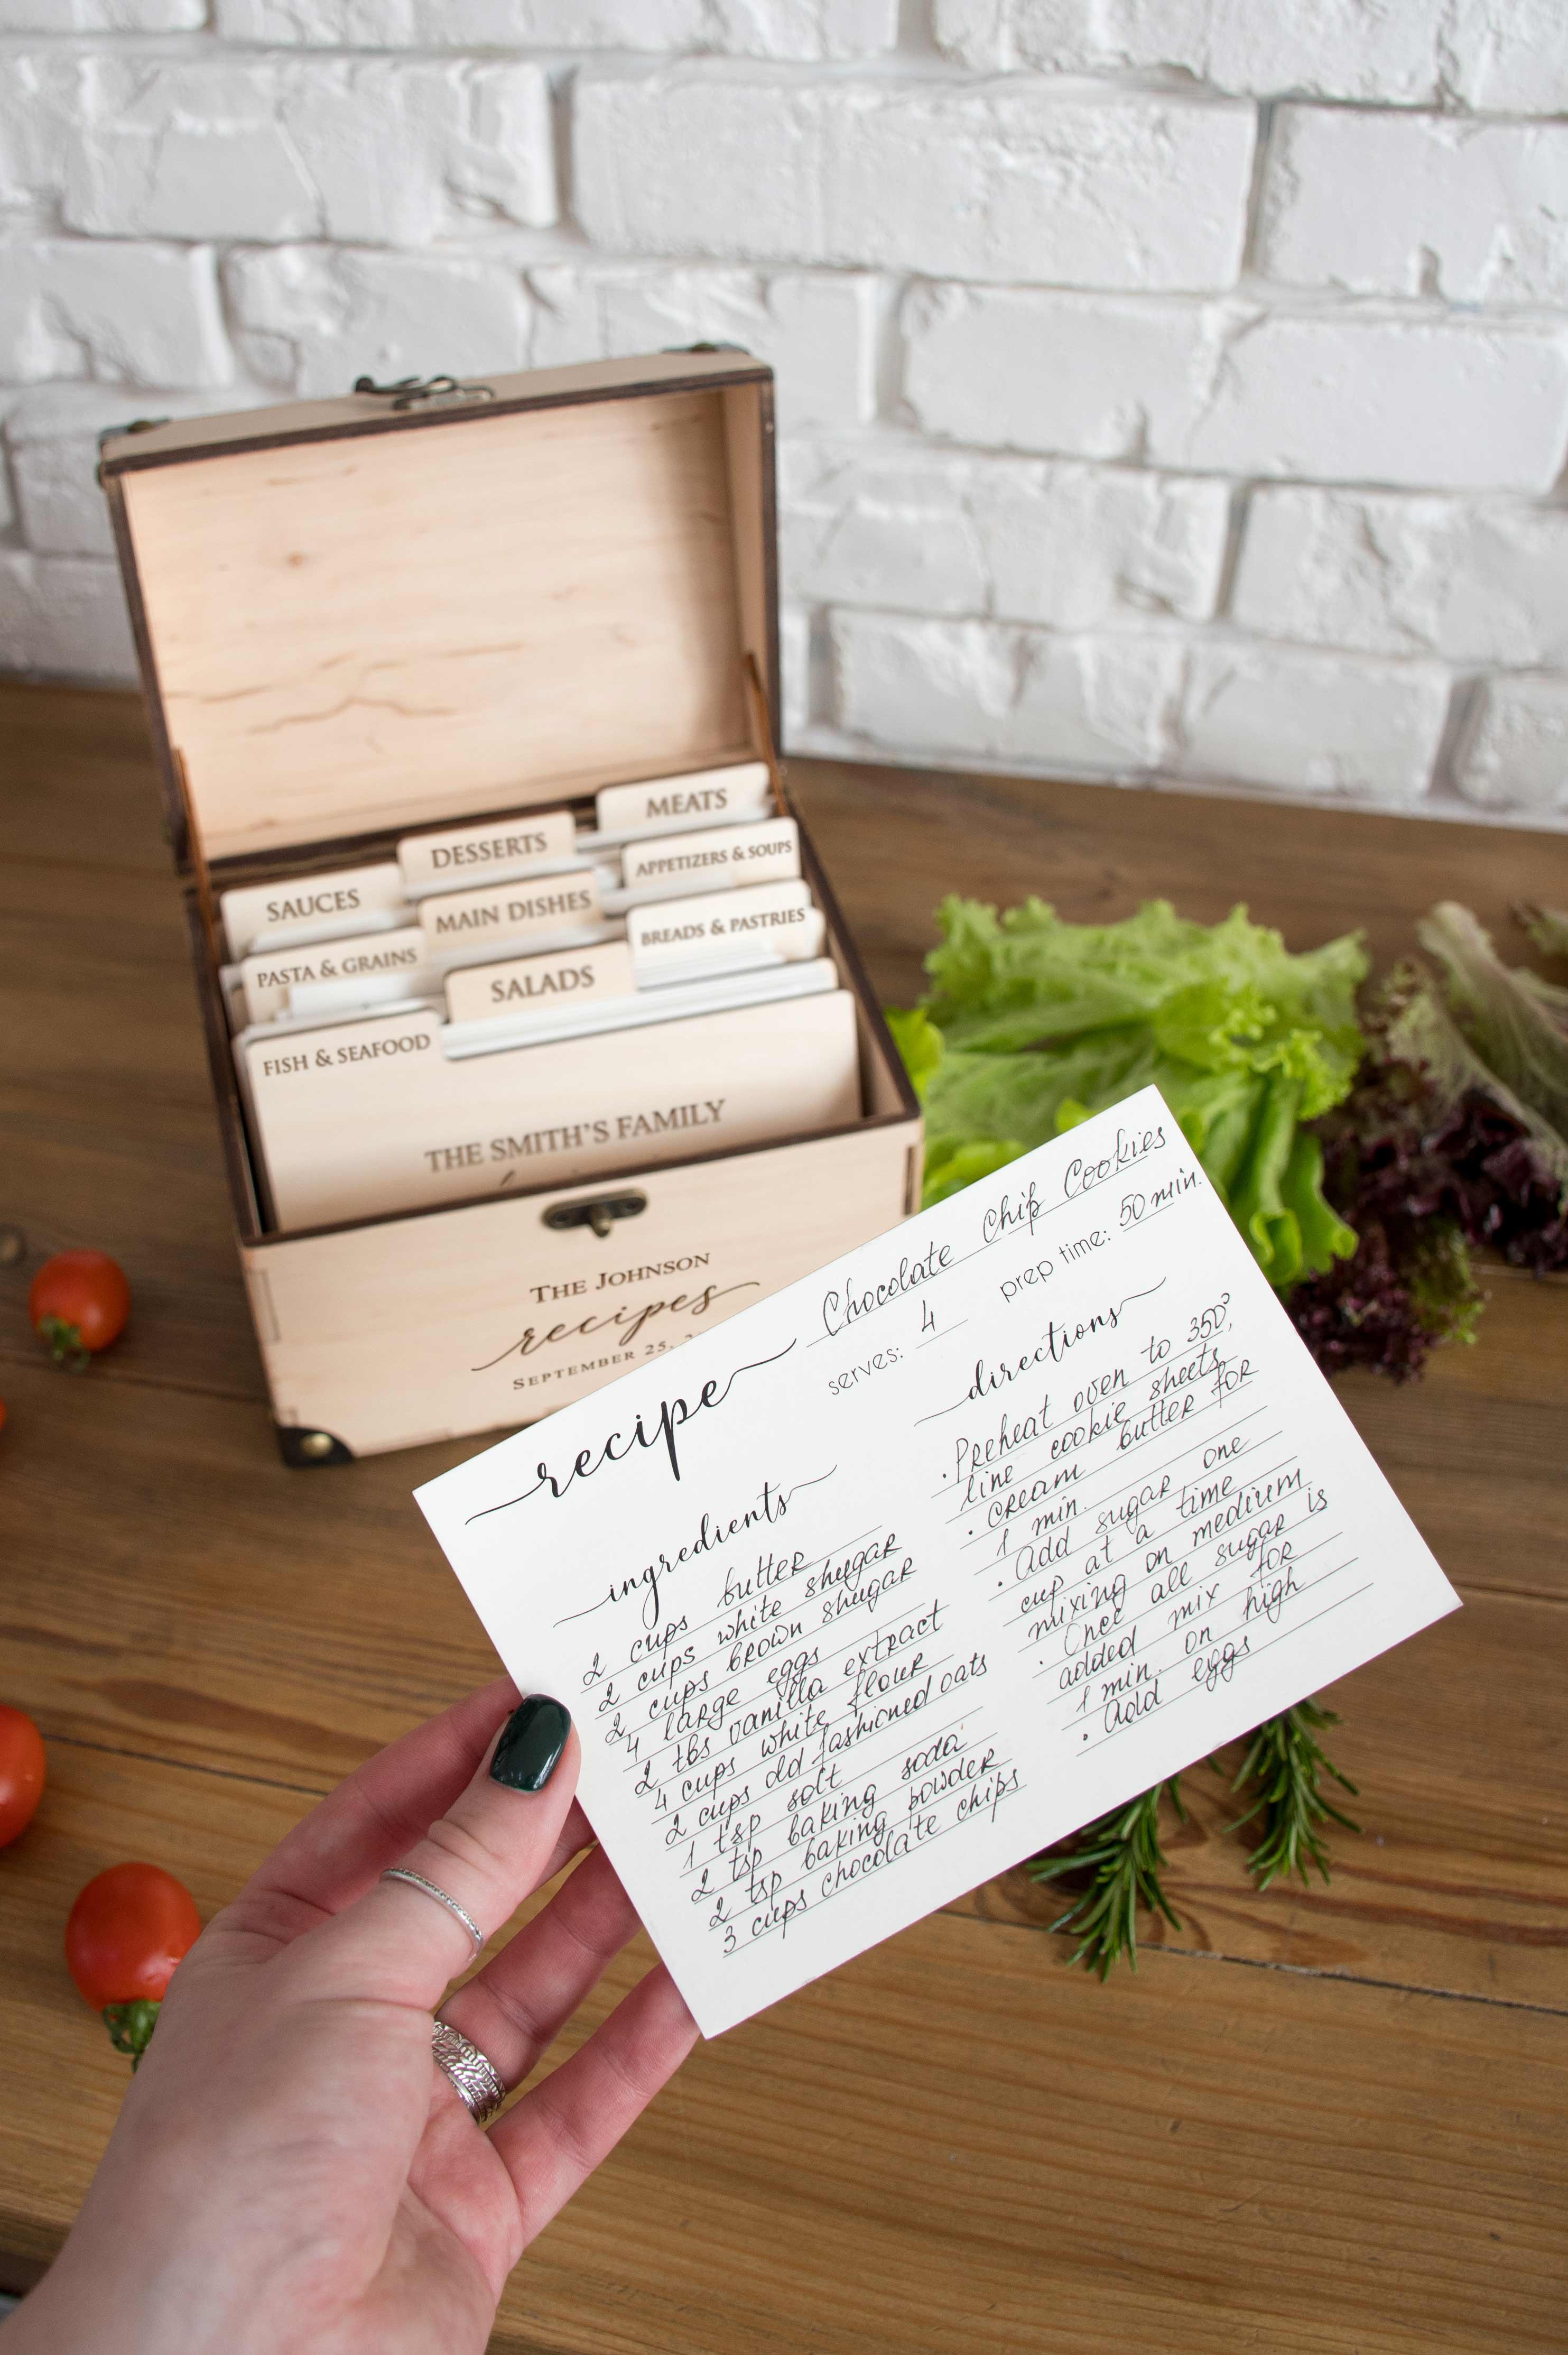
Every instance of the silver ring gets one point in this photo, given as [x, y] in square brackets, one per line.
[474, 2077]
[417, 1881]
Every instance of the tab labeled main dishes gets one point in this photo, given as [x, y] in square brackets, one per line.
[563, 903]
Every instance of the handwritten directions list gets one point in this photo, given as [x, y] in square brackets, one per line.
[918, 1566]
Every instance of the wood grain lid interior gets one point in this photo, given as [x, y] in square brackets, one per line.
[393, 629]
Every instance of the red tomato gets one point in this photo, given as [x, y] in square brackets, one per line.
[127, 1931]
[78, 1304]
[21, 1772]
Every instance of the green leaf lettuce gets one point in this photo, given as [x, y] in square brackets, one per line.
[1032, 1025]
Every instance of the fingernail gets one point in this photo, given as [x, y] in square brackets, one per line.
[531, 1744]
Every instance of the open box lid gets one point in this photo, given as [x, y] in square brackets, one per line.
[344, 631]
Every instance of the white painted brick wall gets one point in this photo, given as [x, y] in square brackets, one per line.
[101, 15]
[1475, 212]
[1513, 753]
[143, 314]
[795, 636]
[308, 319]
[58, 502]
[368, 150]
[1064, 546]
[1117, 188]
[1238, 388]
[749, 28]
[64, 614]
[818, 329]
[1310, 722]
[1106, 704]
[1474, 581]
[1508, 55]
[1167, 389]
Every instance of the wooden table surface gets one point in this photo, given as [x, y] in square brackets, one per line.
[1313, 2123]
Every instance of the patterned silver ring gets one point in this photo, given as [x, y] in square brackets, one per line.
[474, 2077]
[417, 1881]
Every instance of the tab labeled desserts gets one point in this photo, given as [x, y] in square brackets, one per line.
[495, 853]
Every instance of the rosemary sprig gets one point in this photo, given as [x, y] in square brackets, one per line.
[1121, 1852]
[1286, 1761]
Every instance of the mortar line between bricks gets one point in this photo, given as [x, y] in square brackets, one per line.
[1172, 629]
[1258, 188]
[907, 445]
[913, 65]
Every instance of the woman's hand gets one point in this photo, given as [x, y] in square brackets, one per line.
[291, 2173]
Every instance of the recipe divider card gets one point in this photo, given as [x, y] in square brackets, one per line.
[361, 1118]
[914, 1568]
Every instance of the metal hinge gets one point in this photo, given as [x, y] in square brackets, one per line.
[137, 426]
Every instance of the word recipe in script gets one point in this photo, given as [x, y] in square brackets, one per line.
[911, 1570]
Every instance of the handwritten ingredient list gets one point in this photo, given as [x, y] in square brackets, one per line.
[911, 1570]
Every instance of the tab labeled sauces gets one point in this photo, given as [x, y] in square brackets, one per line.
[311, 907]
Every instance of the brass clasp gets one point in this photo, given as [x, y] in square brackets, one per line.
[415, 392]
[600, 1212]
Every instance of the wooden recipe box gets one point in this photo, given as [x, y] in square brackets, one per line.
[406, 608]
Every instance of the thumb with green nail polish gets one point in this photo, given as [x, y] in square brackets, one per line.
[531, 1744]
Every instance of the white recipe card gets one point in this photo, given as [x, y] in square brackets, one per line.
[914, 1568]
